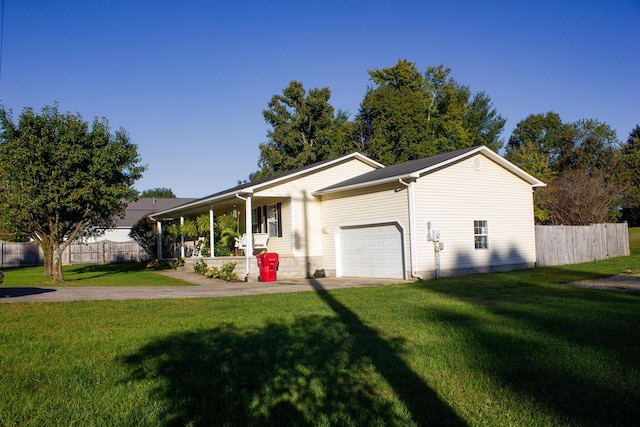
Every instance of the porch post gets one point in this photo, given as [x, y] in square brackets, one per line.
[212, 243]
[182, 254]
[159, 243]
[248, 252]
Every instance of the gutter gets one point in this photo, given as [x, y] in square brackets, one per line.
[412, 229]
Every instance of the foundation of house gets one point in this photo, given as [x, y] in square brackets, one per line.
[290, 267]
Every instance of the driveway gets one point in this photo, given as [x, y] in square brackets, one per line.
[204, 288]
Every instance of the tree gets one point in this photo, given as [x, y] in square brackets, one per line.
[145, 232]
[60, 177]
[303, 130]
[589, 145]
[580, 197]
[631, 177]
[534, 144]
[407, 115]
[561, 154]
[158, 193]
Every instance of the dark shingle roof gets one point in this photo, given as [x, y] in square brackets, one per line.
[399, 170]
[148, 205]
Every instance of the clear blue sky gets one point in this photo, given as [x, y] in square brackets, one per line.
[189, 79]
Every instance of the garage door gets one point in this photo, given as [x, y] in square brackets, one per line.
[371, 251]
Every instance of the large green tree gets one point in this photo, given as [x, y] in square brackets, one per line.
[569, 157]
[303, 129]
[534, 144]
[407, 114]
[631, 177]
[61, 177]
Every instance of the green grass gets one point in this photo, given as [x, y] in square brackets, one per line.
[496, 349]
[133, 274]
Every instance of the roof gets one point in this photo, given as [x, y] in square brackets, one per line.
[250, 187]
[413, 169]
[148, 205]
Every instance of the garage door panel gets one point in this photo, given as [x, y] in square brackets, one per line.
[372, 251]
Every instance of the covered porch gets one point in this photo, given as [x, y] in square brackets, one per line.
[252, 225]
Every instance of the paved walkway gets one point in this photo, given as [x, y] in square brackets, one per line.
[203, 288]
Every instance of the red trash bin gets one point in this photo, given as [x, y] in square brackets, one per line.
[268, 265]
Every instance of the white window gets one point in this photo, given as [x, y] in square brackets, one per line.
[481, 234]
[267, 219]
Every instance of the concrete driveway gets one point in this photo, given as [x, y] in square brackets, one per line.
[204, 288]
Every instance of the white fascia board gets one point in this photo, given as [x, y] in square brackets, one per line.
[535, 182]
[251, 189]
[364, 184]
[492, 155]
[203, 202]
[358, 156]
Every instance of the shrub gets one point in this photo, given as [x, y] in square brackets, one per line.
[200, 267]
[226, 272]
[157, 264]
[175, 263]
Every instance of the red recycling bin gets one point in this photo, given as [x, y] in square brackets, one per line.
[268, 265]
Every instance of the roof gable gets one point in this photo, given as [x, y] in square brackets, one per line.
[253, 186]
[413, 169]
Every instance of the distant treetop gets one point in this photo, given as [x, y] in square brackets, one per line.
[160, 192]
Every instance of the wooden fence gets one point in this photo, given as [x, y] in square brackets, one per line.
[571, 244]
[103, 252]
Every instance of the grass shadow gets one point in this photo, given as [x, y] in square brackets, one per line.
[85, 272]
[314, 370]
[574, 351]
[305, 373]
[425, 407]
[6, 292]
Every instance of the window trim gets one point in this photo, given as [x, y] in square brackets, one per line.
[261, 220]
[480, 234]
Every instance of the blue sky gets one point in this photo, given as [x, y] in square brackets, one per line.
[189, 79]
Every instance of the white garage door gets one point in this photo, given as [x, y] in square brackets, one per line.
[371, 251]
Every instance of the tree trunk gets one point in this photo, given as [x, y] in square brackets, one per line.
[56, 266]
[47, 254]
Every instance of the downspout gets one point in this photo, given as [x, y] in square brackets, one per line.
[412, 230]
[248, 232]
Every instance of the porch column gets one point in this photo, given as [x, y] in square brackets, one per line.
[182, 252]
[212, 243]
[159, 243]
[249, 233]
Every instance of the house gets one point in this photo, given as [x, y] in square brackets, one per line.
[133, 213]
[465, 211]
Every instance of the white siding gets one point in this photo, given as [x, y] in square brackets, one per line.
[301, 212]
[452, 198]
[381, 205]
[448, 200]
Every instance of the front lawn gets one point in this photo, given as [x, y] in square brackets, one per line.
[519, 352]
[507, 349]
[132, 274]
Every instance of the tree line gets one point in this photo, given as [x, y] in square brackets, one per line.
[406, 114]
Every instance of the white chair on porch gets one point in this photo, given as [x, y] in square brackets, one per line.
[260, 241]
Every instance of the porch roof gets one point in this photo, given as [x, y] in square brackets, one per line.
[249, 188]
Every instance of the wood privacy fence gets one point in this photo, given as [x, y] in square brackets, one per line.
[573, 244]
[103, 252]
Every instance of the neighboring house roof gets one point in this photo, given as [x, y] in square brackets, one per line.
[415, 168]
[148, 205]
[251, 187]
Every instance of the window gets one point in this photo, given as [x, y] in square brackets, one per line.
[267, 219]
[481, 234]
